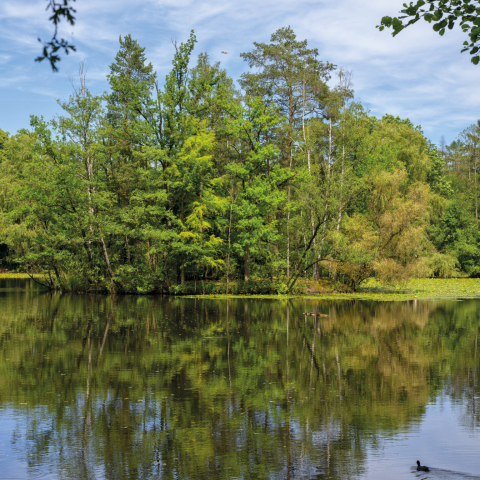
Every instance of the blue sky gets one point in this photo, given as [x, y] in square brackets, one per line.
[417, 74]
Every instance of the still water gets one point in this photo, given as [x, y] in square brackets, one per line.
[97, 387]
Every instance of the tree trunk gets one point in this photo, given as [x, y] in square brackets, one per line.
[476, 193]
[229, 243]
[288, 222]
[105, 253]
[128, 250]
[246, 258]
[340, 207]
[307, 147]
[288, 237]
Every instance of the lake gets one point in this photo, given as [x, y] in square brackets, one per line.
[141, 387]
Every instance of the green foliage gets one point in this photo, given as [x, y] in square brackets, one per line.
[442, 14]
[3, 140]
[65, 10]
[395, 143]
[442, 265]
[437, 175]
[289, 72]
[193, 186]
[389, 241]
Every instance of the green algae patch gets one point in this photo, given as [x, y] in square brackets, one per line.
[427, 288]
[16, 275]
[419, 288]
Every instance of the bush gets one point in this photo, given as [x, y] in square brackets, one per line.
[442, 265]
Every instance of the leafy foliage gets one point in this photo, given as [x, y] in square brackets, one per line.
[65, 10]
[155, 188]
[442, 14]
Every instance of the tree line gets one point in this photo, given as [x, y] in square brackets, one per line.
[256, 185]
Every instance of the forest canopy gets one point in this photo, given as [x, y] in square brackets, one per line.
[158, 187]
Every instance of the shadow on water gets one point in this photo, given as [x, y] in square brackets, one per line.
[154, 387]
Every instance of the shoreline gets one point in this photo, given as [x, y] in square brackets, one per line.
[416, 289]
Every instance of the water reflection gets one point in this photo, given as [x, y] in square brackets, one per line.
[96, 387]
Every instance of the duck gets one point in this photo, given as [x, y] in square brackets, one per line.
[422, 468]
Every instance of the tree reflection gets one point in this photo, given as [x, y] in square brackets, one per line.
[144, 387]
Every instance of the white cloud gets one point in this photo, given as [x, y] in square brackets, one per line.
[417, 74]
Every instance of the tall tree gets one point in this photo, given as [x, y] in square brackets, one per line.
[289, 74]
[471, 145]
[258, 179]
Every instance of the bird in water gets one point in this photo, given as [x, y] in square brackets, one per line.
[422, 468]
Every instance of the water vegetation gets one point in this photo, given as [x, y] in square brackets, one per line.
[15, 275]
[373, 289]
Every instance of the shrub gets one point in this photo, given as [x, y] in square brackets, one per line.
[442, 265]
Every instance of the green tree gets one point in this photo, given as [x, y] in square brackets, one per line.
[471, 146]
[259, 179]
[437, 175]
[289, 74]
[390, 240]
[153, 188]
